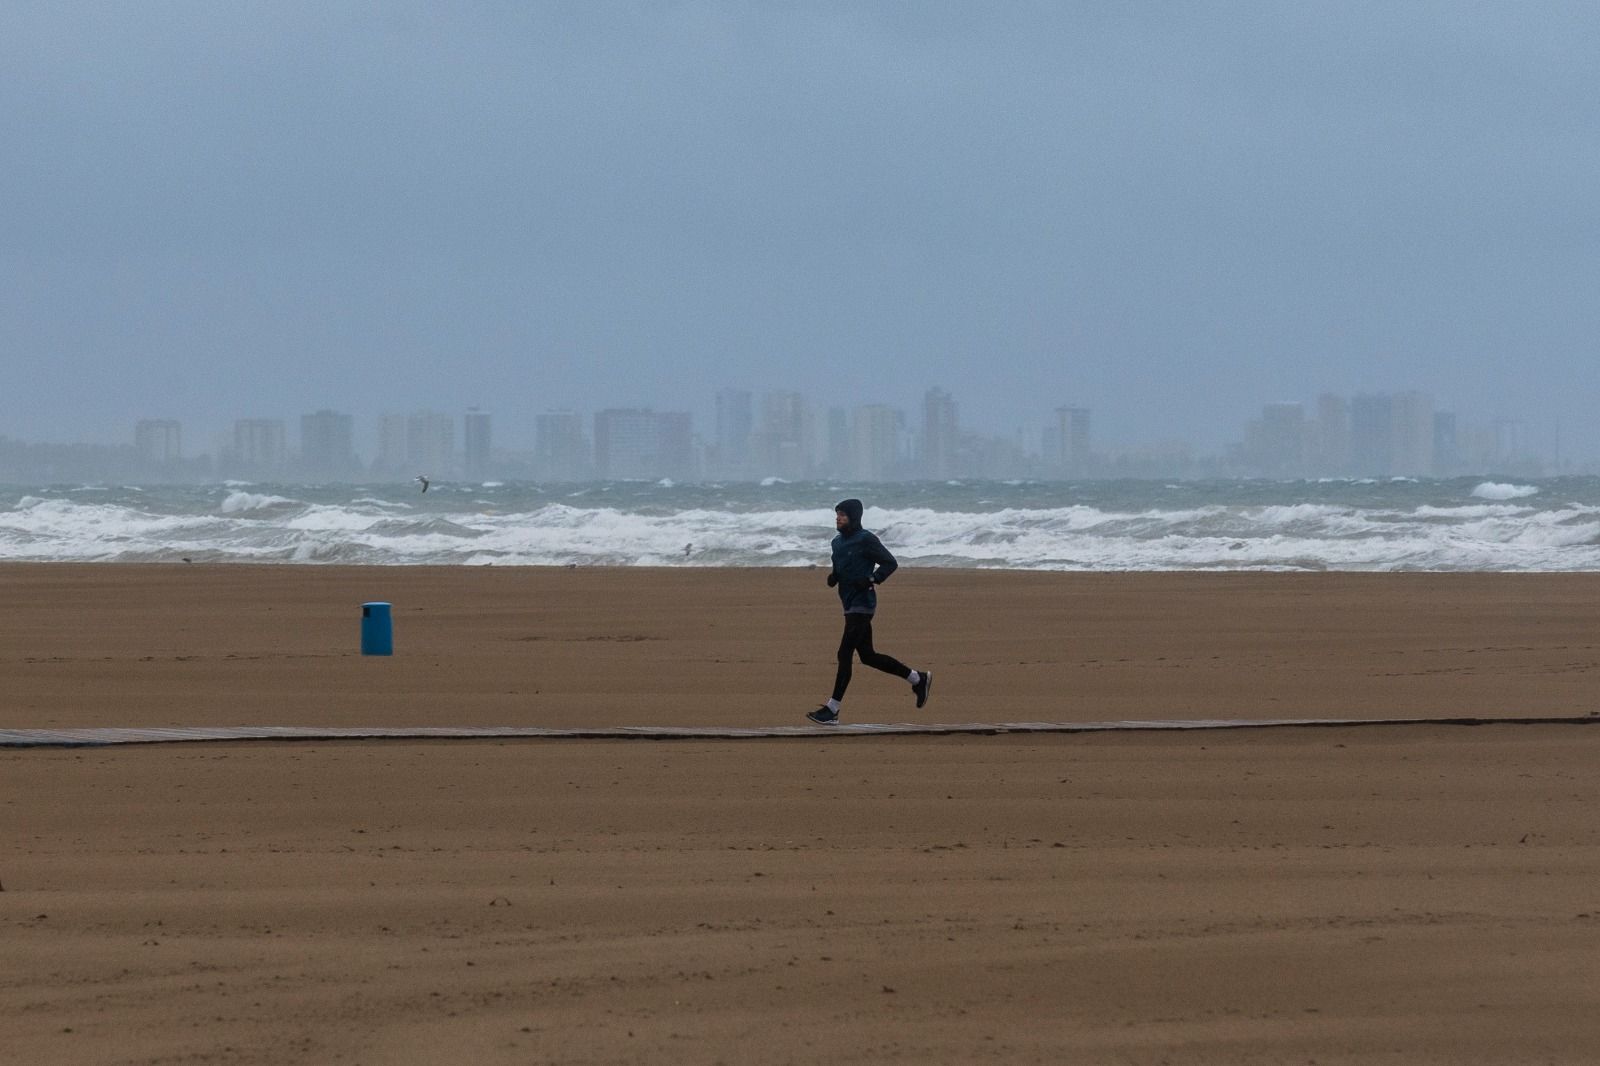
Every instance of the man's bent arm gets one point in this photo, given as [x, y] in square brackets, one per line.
[886, 562]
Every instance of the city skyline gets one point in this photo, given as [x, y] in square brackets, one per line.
[787, 434]
[1212, 426]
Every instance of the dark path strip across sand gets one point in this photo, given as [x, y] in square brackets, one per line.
[29, 738]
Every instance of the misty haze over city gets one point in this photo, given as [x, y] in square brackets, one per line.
[1180, 220]
[783, 436]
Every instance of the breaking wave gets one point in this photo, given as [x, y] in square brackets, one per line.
[1494, 490]
[1351, 525]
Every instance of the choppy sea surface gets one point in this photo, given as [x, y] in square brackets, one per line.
[1391, 524]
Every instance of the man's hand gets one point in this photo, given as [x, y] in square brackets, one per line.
[833, 579]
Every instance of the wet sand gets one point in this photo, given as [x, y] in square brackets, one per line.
[1364, 894]
[279, 645]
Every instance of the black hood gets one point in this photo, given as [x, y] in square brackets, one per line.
[851, 509]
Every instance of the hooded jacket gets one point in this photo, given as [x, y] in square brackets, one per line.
[860, 561]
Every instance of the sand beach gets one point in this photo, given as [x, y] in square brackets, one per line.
[1350, 894]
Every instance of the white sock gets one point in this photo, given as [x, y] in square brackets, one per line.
[833, 705]
[914, 677]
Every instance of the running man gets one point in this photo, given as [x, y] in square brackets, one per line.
[860, 564]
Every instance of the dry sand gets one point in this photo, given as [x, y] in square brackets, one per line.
[1397, 894]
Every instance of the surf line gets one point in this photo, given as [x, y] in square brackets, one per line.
[104, 737]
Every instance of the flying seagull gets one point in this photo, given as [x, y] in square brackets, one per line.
[423, 481]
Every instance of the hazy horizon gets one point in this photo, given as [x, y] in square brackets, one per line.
[216, 434]
[1169, 215]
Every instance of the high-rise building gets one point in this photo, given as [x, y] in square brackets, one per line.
[560, 449]
[260, 447]
[1446, 445]
[675, 434]
[1413, 434]
[1371, 435]
[476, 441]
[641, 444]
[783, 445]
[391, 458]
[941, 435]
[327, 448]
[735, 428]
[1073, 457]
[423, 442]
[1330, 451]
[1279, 450]
[159, 442]
[625, 443]
[876, 431]
[1392, 434]
[839, 443]
[431, 443]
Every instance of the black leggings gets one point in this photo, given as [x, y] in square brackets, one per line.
[858, 639]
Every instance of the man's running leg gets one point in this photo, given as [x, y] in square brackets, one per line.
[828, 713]
[874, 658]
[921, 682]
[857, 628]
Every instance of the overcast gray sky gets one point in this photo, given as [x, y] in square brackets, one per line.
[1170, 213]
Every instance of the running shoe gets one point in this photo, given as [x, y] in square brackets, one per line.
[824, 715]
[924, 683]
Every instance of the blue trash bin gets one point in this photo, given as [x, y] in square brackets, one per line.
[377, 629]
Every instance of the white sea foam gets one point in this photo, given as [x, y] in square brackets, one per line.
[1348, 526]
[1495, 490]
[250, 501]
[1485, 510]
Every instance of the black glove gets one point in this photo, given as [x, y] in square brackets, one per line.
[833, 579]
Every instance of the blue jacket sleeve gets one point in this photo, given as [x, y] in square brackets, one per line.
[886, 562]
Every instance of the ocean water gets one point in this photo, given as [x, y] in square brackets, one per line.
[1389, 524]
